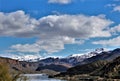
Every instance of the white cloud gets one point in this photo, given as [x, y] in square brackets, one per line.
[60, 1]
[49, 45]
[115, 29]
[75, 26]
[26, 48]
[116, 8]
[110, 5]
[53, 31]
[110, 42]
[17, 24]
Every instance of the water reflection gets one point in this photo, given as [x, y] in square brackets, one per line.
[39, 77]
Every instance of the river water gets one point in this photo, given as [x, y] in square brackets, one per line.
[40, 77]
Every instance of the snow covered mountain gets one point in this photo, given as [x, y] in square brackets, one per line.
[28, 58]
[89, 54]
[72, 59]
[75, 58]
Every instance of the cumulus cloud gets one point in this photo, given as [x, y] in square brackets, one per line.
[116, 8]
[17, 24]
[48, 45]
[110, 42]
[110, 5]
[52, 31]
[76, 26]
[115, 29]
[60, 1]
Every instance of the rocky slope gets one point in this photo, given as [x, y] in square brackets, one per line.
[83, 69]
[111, 69]
[106, 55]
[106, 68]
[72, 60]
[19, 65]
[33, 67]
[62, 64]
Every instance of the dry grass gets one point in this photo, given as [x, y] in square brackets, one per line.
[5, 74]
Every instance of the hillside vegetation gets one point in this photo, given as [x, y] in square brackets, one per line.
[96, 71]
[110, 70]
[6, 75]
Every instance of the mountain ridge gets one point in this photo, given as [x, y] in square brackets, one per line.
[65, 63]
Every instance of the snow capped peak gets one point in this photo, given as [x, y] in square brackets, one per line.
[80, 57]
[89, 54]
[75, 55]
[30, 58]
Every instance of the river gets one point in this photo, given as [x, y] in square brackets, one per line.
[40, 77]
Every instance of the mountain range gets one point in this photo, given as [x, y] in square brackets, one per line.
[102, 67]
[106, 55]
[94, 59]
[71, 59]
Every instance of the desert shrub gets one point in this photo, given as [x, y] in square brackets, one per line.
[5, 74]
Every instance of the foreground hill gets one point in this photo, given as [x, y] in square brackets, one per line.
[80, 64]
[21, 66]
[33, 67]
[96, 71]
[83, 69]
[111, 69]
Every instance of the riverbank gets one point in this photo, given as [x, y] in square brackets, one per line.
[84, 77]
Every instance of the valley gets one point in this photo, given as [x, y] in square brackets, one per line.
[102, 65]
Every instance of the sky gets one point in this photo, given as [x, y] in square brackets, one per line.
[58, 28]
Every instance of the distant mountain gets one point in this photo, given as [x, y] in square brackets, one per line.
[54, 67]
[98, 62]
[57, 61]
[55, 64]
[107, 55]
[28, 58]
[72, 59]
[89, 54]
[62, 64]
[77, 58]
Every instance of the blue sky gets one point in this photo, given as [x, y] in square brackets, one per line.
[58, 27]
